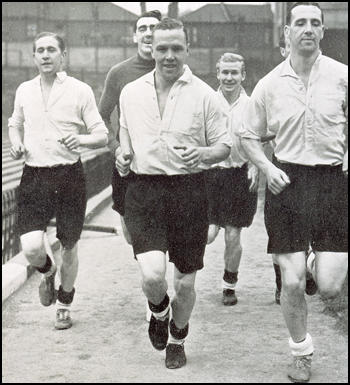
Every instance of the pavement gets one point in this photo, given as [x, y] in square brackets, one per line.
[108, 343]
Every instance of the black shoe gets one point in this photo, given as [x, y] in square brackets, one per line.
[229, 297]
[278, 296]
[158, 332]
[47, 292]
[175, 356]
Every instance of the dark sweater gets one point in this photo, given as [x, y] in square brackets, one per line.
[117, 77]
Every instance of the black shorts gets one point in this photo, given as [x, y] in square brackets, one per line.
[45, 192]
[230, 201]
[119, 186]
[169, 213]
[313, 209]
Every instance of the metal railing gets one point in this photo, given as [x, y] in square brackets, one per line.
[98, 172]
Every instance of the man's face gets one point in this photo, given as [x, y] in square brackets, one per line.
[143, 35]
[48, 56]
[306, 29]
[230, 76]
[169, 49]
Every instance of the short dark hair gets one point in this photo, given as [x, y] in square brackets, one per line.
[168, 24]
[289, 13]
[229, 57]
[155, 13]
[60, 41]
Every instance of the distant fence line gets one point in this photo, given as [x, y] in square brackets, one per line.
[98, 171]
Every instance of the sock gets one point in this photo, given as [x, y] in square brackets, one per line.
[161, 310]
[47, 267]
[302, 348]
[229, 280]
[278, 276]
[64, 297]
[177, 336]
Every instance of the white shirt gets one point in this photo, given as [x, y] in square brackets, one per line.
[309, 124]
[71, 109]
[234, 116]
[192, 117]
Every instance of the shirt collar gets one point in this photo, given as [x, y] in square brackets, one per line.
[287, 69]
[186, 77]
[241, 94]
[60, 77]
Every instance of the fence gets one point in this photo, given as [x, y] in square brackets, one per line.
[98, 172]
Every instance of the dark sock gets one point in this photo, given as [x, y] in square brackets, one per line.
[230, 277]
[278, 276]
[177, 333]
[160, 307]
[65, 296]
[46, 267]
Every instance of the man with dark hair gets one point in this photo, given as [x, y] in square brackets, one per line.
[304, 102]
[51, 114]
[118, 76]
[174, 128]
[232, 184]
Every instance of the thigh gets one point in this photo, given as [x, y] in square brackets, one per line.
[33, 241]
[152, 264]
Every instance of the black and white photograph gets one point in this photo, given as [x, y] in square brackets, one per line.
[175, 192]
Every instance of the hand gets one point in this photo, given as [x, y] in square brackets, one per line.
[277, 180]
[71, 141]
[17, 151]
[191, 155]
[253, 176]
[122, 163]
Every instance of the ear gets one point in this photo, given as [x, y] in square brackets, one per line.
[286, 31]
[244, 74]
[323, 32]
[134, 38]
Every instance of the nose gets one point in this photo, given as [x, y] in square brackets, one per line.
[229, 77]
[308, 27]
[169, 55]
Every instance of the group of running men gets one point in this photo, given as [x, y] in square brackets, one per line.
[187, 163]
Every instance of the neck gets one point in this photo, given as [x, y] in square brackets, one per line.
[165, 84]
[48, 79]
[144, 56]
[231, 97]
[303, 64]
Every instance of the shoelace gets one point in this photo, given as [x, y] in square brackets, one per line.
[303, 362]
[63, 314]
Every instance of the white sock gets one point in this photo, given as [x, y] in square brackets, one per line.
[60, 305]
[226, 285]
[303, 348]
[162, 315]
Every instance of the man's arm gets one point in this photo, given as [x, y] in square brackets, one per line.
[277, 179]
[16, 130]
[193, 156]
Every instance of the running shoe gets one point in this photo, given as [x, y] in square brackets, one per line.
[63, 319]
[175, 356]
[300, 369]
[47, 293]
[229, 297]
[158, 332]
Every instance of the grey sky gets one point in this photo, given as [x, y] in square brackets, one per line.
[163, 6]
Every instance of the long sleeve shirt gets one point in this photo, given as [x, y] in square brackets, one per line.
[192, 117]
[70, 109]
[309, 123]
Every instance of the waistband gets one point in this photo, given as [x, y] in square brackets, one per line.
[56, 167]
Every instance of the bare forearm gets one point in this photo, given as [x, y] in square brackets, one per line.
[16, 135]
[215, 154]
[93, 140]
[256, 154]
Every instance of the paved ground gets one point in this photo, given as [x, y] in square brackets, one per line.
[108, 342]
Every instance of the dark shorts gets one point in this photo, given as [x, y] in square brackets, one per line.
[230, 201]
[169, 213]
[313, 209]
[119, 187]
[45, 192]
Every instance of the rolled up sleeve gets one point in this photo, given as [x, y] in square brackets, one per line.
[17, 118]
[91, 116]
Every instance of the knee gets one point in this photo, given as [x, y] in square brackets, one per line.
[294, 285]
[152, 280]
[329, 291]
[233, 237]
[184, 289]
[33, 248]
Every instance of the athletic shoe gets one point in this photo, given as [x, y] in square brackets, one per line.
[47, 293]
[300, 369]
[63, 320]
[278, 296]
[158, 332]
[311, 286]
[229, 297]
[175, 356]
